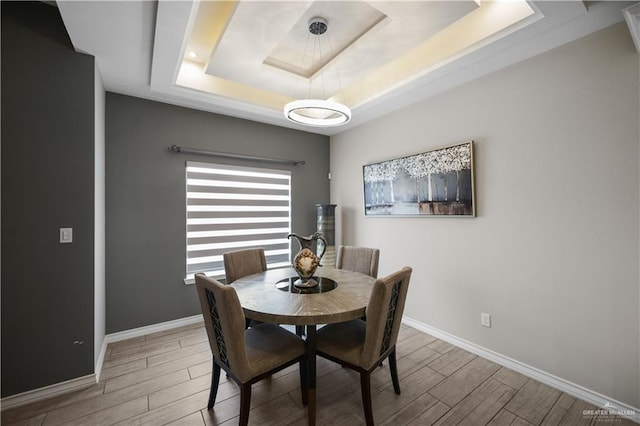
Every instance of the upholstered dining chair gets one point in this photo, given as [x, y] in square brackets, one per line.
[247, 355]
[358, 259]
[362, 345]
[240, 263]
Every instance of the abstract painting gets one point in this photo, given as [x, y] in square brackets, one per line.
[433, 183]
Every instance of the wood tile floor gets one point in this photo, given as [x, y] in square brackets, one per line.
[163, 379]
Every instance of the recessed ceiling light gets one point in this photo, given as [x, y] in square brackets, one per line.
[192, 54]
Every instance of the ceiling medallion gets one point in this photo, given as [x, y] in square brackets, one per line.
[317, 112]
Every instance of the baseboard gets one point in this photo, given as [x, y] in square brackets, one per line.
[91, 379]
[47, 391]
[100, 360]
[563, 385]
[154, 328]
[580, 392]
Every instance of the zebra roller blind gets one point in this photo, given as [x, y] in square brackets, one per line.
[234, 208]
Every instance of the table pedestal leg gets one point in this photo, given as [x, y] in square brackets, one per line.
[311, 372]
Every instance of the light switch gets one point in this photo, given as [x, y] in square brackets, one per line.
[66, 235]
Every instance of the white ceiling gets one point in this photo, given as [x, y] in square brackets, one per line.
[256, 55]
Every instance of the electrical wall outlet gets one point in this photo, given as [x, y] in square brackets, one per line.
[485, 320]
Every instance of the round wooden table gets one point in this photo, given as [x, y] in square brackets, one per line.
[263, 299]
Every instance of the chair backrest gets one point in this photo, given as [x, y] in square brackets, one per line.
[225, 324]
[384, 313]
[358, 259]
[240, 263]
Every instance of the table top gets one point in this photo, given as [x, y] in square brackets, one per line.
[262, 301]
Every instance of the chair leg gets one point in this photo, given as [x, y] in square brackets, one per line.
[303, 381]
[215, 380]
[245, 403]
[365, 386]
[393, 367]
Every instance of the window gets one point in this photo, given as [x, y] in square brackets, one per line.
[234, 208]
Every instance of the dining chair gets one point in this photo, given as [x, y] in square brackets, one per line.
[240, 263]
[247, 355]
[358, 259]
[362, 345]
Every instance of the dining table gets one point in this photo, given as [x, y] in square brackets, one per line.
[273, 297]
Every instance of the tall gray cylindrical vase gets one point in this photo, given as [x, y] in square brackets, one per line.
[326, 214]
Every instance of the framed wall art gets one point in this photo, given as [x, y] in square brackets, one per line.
[432, 183]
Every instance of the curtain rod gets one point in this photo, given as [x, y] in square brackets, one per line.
[177, 149]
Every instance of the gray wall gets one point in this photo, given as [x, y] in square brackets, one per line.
[145, 198]
[553, 253]
[47, 183]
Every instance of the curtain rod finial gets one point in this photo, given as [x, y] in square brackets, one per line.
[174, 148]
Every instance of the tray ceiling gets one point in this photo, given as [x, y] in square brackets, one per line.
[249, 58]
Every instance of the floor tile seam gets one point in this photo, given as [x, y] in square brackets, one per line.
[298, 392]
[443, 414]
[452, 374]
[144, 348]
[56, 406]
[163, 373]
[183, 396]
[126, 344]
[449, 408]
[297, 418]
[508, 411]
[448, 345]
[419, 367]
[415, 350]
[205, 340]
[144, 353]
[204, 422]
[457, 369]
[506, 384]
[126, 362]
[258, 384]
[506, 402]
[181, 357]
[237, 394]
[271, 400]
[400, 339]
[175, 420]
[108, 407]
[123, 389]
[172, 403]
[44, 419]
[74, 419]
[555, 402]
[105, 376]
[423, 364]
[147, 341]
[170, 335]
[465, 395]
[468, 395]
[435, 401]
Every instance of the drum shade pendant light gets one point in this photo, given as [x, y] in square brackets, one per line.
[317, 112]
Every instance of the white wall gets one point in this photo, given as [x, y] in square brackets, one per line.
[99, 223]
[553, 255]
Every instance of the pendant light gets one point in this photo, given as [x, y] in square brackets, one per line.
[317, 112]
